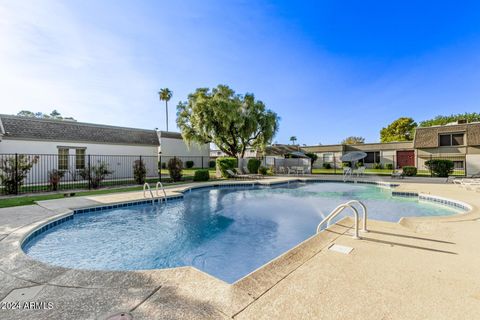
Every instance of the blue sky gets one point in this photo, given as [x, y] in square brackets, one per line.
[330, 69]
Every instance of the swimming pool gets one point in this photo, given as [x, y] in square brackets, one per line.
[226, 232]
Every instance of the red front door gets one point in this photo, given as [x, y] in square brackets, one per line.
[405, 158]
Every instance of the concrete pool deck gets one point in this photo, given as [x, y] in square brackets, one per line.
[420, 268]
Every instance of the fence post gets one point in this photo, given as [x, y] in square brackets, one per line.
[465, 166]
[334, 164]
[89, 175]
[202, 161]
[159, 166]
[140, 164]
[394, 166]
[430, 168]
[16, 173]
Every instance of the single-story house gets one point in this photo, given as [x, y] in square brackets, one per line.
[69, 146]
[459, 142]
[249, 153]
[398, 154]
[173, 145]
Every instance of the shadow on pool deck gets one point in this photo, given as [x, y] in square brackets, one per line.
[410, 237]
[406, 245]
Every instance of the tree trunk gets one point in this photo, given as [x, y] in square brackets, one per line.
[166, 108]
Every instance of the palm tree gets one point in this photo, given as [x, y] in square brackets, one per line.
[165, 95]
[293, 139]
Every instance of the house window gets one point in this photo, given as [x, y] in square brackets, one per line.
[372, 157]
[79, 158]
[458, 165]
[451, 139]
[327, 157]
[62, 159]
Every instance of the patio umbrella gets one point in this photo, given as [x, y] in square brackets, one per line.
[353, 156]
[299, 154]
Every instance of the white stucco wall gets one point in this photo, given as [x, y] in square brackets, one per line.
[51, 147]
[120, 158]
[329, 155]
[473, 164]
[199, 154]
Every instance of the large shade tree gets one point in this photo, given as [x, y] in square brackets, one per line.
[353, 140]
[402, 129]
[231, 121]
[442, 120]
[53, 115]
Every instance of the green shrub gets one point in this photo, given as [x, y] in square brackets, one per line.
[211, 164]
[409, 171]
[359, 164]
[377, 165]
[14, 170]
[327, 165]
[54, 177]
[253, 165]
[440, 167]
[201, 175]
[175, 167]
[164, 165]
[262, 170]
[189, 164]
[346, 164]
[226, 163]
[389, 166]
[139, 171]
[96, 174]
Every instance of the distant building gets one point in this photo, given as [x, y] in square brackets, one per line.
[249, 153]
[458, 141]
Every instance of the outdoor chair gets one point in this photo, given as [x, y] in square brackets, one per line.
[234, 175]
[280, 170]
[360, 171]
[457, 180]
[398, 174]
[468, 184]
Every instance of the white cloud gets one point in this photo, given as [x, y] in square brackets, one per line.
[50, 59]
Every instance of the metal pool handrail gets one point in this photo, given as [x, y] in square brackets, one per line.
[364, 211]
[145, 187]
[337, 211]
[163, 189]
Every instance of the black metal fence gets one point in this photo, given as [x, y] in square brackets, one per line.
[459, 164]
[385, 165]
[28, 173]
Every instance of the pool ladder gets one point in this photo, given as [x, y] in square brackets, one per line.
[340, 208]
[159, 185]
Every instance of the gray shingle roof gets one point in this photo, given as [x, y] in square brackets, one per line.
[27, 128]
[170, 135]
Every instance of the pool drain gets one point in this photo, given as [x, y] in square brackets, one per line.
[120, 316]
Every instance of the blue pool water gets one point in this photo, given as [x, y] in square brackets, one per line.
[226, 232]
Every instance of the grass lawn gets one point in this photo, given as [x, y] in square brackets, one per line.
[191, 172]
[30, 199]
[384, 172]
[65, 186]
